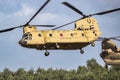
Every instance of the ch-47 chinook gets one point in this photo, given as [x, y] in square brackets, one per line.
[86, 31]
[110, 52]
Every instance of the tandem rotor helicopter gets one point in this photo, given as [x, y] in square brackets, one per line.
[110, 52]
[86, 32]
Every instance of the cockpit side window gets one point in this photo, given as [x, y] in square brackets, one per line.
[27, 36]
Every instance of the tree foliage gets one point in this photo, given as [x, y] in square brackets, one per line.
[92, 71]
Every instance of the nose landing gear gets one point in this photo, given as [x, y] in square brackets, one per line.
[47, 53]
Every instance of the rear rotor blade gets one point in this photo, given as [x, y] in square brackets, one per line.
[37, 12]
[66, 24]
[116, 39]
[9, 29]
[101, 38]
[73, 8]
[44, 25]
[113, 38]
[100, 13]
[105, 12]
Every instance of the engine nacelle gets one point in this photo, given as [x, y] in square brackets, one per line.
[27, 29]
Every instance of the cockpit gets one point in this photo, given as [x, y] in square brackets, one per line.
[26, 37]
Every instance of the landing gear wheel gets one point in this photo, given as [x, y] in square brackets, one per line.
[81, 51]
[47, 53]
[93, 44]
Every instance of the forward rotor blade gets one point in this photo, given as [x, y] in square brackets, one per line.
[66, 24]
[44, 25]
[105, 12]
[38, 12]
[73, 8]
[9, 29]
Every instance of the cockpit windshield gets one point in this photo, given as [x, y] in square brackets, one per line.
[27, 36]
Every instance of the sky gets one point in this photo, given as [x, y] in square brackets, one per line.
[18, 12]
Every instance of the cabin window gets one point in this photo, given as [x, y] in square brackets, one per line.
[39, 35]
[95, 34]
[91, 27]
[27, 36]
[50, 35]
[86, 29]
[30, 35]
[71, 34]
[82, 34]
[61, 34]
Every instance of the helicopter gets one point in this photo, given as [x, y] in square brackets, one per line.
[110, 52]
[85, 32]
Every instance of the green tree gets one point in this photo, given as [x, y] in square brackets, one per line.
[92, 71]
[7, 74]
[40, 74]
[20, 74]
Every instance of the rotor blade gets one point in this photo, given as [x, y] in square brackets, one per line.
[6, 30]
[66, 24]
[44, 25]
[100, 39]
[116, 39]
[9, 29]
[73, 8]
[105, 12]
[37, 12]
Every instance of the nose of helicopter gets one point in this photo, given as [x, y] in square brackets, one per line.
[22, 42]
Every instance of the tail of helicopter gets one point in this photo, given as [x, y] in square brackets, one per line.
[90, 28]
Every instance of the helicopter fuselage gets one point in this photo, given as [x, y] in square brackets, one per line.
[56, 39]
[86, 31]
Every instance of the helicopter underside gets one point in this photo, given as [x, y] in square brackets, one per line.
[111, 58]
[112, 62]
[58, 46]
